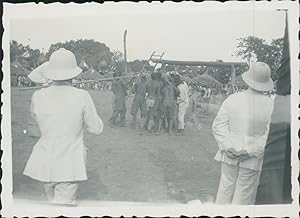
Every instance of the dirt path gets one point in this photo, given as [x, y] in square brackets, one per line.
[125, 166]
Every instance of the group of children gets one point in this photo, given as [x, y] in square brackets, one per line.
[162, 99]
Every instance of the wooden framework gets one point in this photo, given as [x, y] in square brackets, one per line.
[233, 65]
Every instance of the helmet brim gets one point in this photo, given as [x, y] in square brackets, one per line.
[258, 86]
[58, 74]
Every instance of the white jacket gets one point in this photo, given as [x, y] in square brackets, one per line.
[62, 114]
[243, 124]
[183, 93]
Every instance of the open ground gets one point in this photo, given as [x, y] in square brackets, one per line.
[125, 166]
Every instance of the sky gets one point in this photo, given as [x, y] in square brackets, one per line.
[182, 31]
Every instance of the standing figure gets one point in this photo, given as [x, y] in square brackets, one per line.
[241, 129]
[62, 112]
[183, 102]
[19, 81]
[208, 96]
[119, 90]
[26, 81]
[22, 82]
[123, 113]
[168, 104]
[153, 90]
[139, 101]
[205, 95]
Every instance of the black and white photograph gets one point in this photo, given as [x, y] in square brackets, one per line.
[159, 109]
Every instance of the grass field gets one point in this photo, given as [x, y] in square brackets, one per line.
[125, 166]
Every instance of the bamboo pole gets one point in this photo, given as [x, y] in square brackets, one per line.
[87, 81]
[142, 70]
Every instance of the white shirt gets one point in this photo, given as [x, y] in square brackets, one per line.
[243, 124]
[62, 114]
[183, 93]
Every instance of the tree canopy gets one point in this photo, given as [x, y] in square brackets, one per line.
[95, 54]
[89, 54]
[29, 58]
[254, 48]
[99, 57]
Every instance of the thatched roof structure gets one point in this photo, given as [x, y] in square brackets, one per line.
[91, 74]
[206, 80]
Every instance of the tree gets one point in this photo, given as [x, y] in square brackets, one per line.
[222, 74]
[26, 56]
[16, 50]
[253, 48]
[137, 65]
[117, 62]
[96, 54]
[34, 58]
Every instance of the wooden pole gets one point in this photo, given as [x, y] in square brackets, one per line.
[86, 81]
[199, 63]
[233, 78]
[141, 71]
[125, 52]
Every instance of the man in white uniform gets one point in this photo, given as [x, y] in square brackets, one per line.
[241, 129]
[62, 112]
[182, 101]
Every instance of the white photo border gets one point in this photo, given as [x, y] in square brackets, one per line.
[114, 209]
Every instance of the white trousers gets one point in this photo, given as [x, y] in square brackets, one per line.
[238, 185]
[181, 112]
[61, 192]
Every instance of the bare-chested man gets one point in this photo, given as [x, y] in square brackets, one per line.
[168, 105]
[139, 101]
[153, 90]
[119, 89]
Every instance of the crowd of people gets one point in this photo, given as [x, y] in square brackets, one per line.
[161, 100]
[205, 92]
[59, 157]
[24, 81]
[96, 85]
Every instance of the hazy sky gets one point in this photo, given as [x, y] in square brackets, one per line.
[183, 32]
